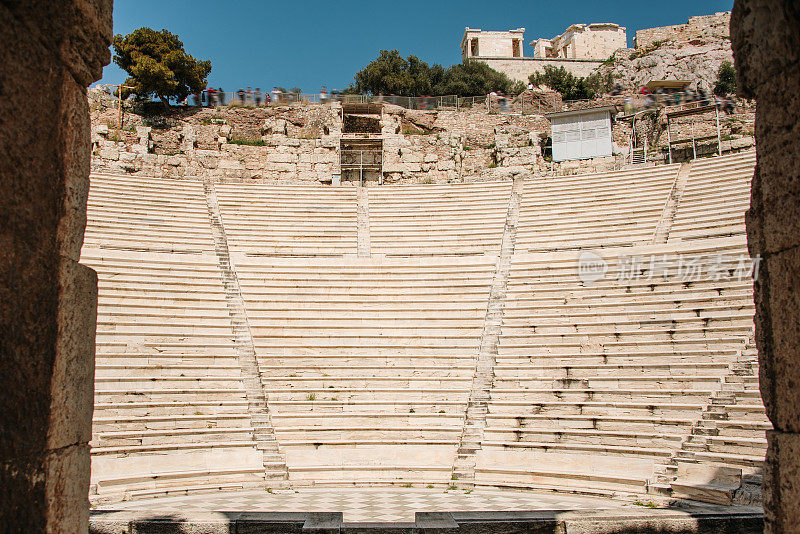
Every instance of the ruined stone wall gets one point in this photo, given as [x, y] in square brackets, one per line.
[53, 50]
[492, 43]
[766, 40]
[300, 144]
[705, 28]
[595, 41]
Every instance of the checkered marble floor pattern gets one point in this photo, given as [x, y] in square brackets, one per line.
[369, 504]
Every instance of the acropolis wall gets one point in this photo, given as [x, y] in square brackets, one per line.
[705, 27]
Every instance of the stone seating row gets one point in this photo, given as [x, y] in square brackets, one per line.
[605, 213]
[147, 214]
[655, 359]
[289, 220]
[588, 372]
[716, 196]
[455, 219]
[374, 345]
[168, 386]
[460, 219]
[368, 364]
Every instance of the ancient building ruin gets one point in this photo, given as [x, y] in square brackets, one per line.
[498, 44]
[580, 49]
[583, 41]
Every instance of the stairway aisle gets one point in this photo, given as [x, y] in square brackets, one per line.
[463, 474]
[275, 472]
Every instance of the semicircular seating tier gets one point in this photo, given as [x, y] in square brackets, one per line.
[254, 335]
[715, 199]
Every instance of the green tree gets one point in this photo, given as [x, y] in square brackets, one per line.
[158, 65]
[599, 83]
[570, 86]
[473, 78]
[391, 73]
[726, 80]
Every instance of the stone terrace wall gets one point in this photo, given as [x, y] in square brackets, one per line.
[520, 68]
[716, 26]
[300, 144]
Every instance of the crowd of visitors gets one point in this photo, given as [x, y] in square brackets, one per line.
[212, 97]
[662, 98]
[643, 99]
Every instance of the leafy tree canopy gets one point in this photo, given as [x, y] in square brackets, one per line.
[726, 80]
[391, 73]
[158, 65]
[570, 86]
[473, 78]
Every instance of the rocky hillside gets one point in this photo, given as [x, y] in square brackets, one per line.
[692, 56]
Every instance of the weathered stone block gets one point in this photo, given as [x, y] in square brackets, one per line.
[278, 157]
[779, 338]
[280, 167]
[446, 165]
[72, 400]
[782, 476]
[111, 154]
[411, 156]
[778, 221]
[393, 167]
[230, 164]
[67, 473]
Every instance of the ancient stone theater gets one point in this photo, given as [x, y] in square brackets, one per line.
[500, 312]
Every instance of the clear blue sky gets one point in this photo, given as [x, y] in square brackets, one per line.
[310, 43]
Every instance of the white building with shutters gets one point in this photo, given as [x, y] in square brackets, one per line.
[582, 134]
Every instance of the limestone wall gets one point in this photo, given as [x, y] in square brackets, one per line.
[521, 68]
[706, 27]
[766, 38]
[53, 50]
[300, 144]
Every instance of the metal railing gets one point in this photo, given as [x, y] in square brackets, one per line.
[511, 105]
[255, 99]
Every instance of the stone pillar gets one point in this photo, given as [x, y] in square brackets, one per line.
[52, 50]
[766, 43]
